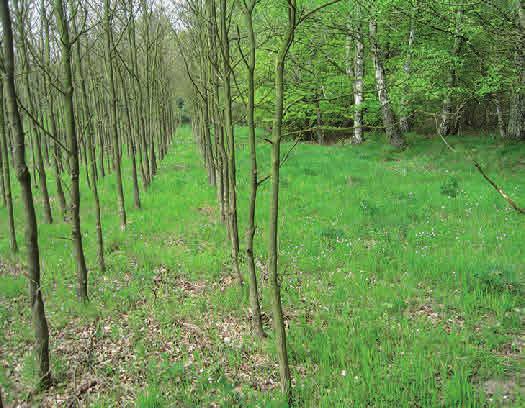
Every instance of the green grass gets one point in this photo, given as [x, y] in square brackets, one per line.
[402, 282]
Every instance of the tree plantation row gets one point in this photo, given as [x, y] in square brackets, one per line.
[89, 87]
[82, 84]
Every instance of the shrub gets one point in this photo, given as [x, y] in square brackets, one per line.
[450, 187]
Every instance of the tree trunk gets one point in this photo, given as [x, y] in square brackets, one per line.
[516, 126]
[71, 131]
[250, 230]
[405, 121]
[449, 119]
[51, 113]
[389, 120]
[2, 182]
[319, 118]
[37, 141]
[138, 97]
[89, 134]
[499, 117]
[7, 176]
[131, 143]
[113, 112]
[31, 230]
[208, 156]
[228, 127]
[359, 71]
[220, 156]
[277, 310]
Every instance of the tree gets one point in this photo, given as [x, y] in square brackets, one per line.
[359, 71]
[248, 8]
[221, 164]
[6, 172]
[230, 138]
[38, 315]
[516, 127]
[37, 139]
[71, 131]
[109, 47]
[51, 110]
[2, 184]
[405, 121]
[389, 121]
[277, 310]
[89, 135]
[449, 120]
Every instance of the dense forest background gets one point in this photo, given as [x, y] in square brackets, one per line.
[442, 66]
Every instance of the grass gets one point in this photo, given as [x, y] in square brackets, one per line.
[402, 284]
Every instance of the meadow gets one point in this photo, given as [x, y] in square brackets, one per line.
[402, 285]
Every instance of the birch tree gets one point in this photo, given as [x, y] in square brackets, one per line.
[389, 120]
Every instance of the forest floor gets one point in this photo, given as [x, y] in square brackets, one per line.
[402, 283]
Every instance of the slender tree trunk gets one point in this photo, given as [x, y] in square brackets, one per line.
[221, 160]
[42, 177]
[58, 174]
[51, 114]
[153, 156]
[94, 97]
[56, 160]
[389, 120]
[228, 126]
[31, 230]
[69, 118]
[113, 112]
[449, 119]
[37, 141]
[319, 118]
[406, 115]
[2, 181]
[149, 137]
[499, 117]
[359, 71]
[516, 125]
[277, 310]
[209, 159]
[131, 143]
[33, 161]
[139, 98]
[7, 176]
[91, 166]
[46, 151]
[224, 175]
[250, 231]
[278, 318]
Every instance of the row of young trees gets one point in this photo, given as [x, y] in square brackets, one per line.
[352, 66]
[84, 87]
[205, 45]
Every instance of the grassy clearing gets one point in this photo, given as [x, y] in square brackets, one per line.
[403, 285]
